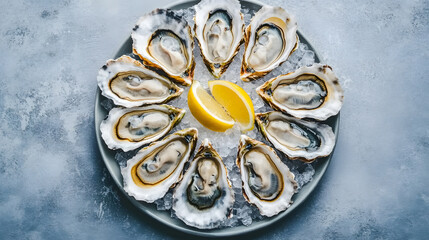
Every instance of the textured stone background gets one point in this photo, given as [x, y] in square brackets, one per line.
[55, 185]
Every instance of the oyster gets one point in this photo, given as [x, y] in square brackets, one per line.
[156, 168]
[204, 197]
[267, 181]
[309, 92]
[130, 128]
[219, 29]
[269, 39]
[298, 139]
[130, 84]
[163, 40]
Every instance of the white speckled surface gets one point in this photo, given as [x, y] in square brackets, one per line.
[55, 185]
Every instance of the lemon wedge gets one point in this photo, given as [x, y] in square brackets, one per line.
[236, 101]
[206, 110]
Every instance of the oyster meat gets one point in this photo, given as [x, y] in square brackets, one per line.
[297, 138]
[164, 41]
[269, 39]
[156, 168]
[267, 181]
[309, 92]
[219, 27]
[130, 84]
[204, 198]
[130, 128]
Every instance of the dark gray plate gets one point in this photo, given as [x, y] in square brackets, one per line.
[164, 216]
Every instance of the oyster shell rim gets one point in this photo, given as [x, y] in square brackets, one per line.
[329, 140]
[234, 52]
[263, 204]
[327, 109]
[205, 146]
[185, 78]
[103, 81]
[117, 112]
[159, 190]
[292, 34]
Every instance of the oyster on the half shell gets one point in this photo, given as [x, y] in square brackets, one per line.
[156, 168]
[204, 197]
[164, 41]
[267, 181]
[130, 128]
[269, 39]
[130, 84]
[219, 27]
[309, 92]
[297, 138]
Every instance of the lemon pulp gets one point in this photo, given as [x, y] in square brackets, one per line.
[236, 101]
[206, 110]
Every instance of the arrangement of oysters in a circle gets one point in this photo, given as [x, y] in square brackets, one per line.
[141, 83]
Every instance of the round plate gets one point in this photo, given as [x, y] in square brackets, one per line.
[164, 217]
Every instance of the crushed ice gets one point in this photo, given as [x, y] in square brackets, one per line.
[227, 143]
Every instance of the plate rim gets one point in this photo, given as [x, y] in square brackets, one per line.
[220, 232]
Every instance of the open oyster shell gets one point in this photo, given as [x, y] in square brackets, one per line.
[269, 39]
[164, 41]
[156, 168]
[219, 27]
[309, 92]
[204, 198]
[267, 181]
[130, 128]
[130, 84]
[298, 139]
